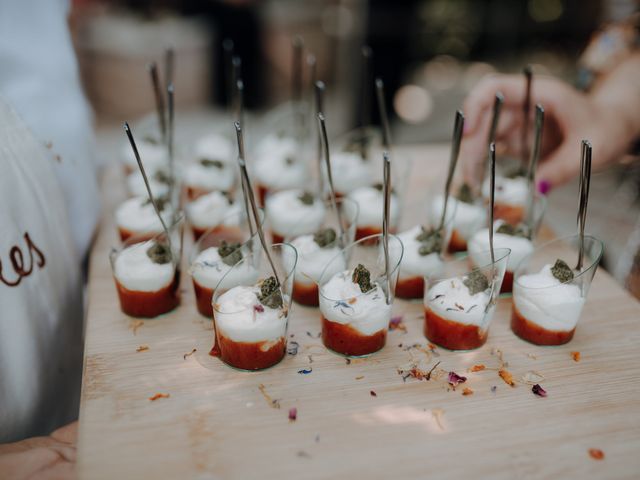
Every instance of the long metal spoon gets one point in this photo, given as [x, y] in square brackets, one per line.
[327, 159]
[585, 182]
[319, 108]
[170, 149]
[252, 200]
[365, 106]
[531, 170]
[386, 185]
[129, 133]
[492, 196]
[245, 187]
[157, 91]
[458, 126]
[238, 101]
[386, 130]
[169, 66]
[526, 108]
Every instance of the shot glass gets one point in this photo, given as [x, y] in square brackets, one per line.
[213, 210]
[251, 311]
[548, 296]
[317, 249]
[508, 236]
[424, 249]
[459, 304]
[356, 296]
[294, 212]
[147, 273]
[469, 218]
[216, 252]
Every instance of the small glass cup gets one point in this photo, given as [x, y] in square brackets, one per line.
[208, 266]
[312, 259]
[424, 257]
[289, 217]
[468, 219]
[147, 273]
[251, 332]
[545, 310]
[458, 314]
[520, 246]
[355, 323]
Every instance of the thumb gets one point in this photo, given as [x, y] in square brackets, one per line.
[560, 166]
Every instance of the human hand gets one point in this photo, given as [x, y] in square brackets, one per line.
[45, 458]
[570, 116]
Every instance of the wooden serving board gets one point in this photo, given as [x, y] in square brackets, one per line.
[357, 420]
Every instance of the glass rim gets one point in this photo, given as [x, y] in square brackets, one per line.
[353, 244]
[288, 271]
[565, 240]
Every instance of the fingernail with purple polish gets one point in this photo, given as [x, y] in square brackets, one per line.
[544, 186]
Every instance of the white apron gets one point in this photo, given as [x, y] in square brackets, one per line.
[40, 289]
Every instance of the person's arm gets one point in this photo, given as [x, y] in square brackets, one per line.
[609, 117]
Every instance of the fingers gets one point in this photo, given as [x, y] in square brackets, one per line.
[560, 166]
[67, 434]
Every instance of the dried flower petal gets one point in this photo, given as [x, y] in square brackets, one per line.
[493, 389]
[184, 357]
[575, 356]
[507, 377]
[360, 377]
[293, 414]
[478, 368]
[305, 371]
[142, 348]
[467, 391]
[373, 394]
[538, 390]
[396, 323]
[454, 379]
[273, 403]
[596, 454]
[258, 308]
[158, 395]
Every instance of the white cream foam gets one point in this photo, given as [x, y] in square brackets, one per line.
[135, 271]
[278, 165]
[450, 299]
[479, 247]
[139, 217]
[468, 217]
[236, 317]
[510, 191]
[208, 269]
[556, 308]
[349, 172]
[313, 259]
[368, 314]
[154, 156]
[370, 202]
[210, 210]
[137, 188]
[209, 178]
[416, 265]
[214, 146]
[289, 217]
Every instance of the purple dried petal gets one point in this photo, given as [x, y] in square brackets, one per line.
[538, 390]
[305, 371]
[455, 379]
[258, 308]
[293, 414]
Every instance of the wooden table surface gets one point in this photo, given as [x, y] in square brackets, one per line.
[218, 424]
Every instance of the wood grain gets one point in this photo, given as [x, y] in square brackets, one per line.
[216, 423]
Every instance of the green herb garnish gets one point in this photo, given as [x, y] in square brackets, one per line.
[289, 161]
[465, 194]
[306, 198]
[270, 295]
[431, 241]
[476, 282]
[210, 163]
[162, 177]
[161, 202]
[230, 253]
[325, 237]
[362, 277]
[508, 229]
[159, 253]
[562, 271]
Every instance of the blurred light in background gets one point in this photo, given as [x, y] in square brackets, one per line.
[545, 10]
[337, 21]
[413, 104]
[442, 73]
[475, 72]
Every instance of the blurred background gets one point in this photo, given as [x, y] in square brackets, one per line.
[430, 53]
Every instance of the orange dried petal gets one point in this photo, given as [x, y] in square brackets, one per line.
[467, 391]
[596, 454]
[507, 377]
[478, 368]
[575, 356]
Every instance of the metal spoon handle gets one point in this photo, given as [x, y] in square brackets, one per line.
[157, 91]
[531, 170]
[327, 159]
[386, 130]
[385, 219]
[458, 126]
[585, 182]
[238, 101]
[252, 200]
[245, 188]
[526, 108]
[319, 108]
[170, 140]
[492, 198]
[495, 117]
[169, 66]
[129, 133]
